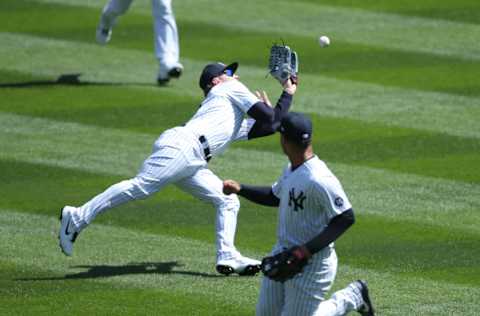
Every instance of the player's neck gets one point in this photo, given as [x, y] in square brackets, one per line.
[298, 159]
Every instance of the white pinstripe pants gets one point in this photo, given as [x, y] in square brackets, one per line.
[176, 158]
[304, 295]
[165, 28]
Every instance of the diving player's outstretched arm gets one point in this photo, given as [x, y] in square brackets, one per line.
[267, 119]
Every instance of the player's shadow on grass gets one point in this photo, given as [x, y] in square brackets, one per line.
[106, 271]
[67, 80]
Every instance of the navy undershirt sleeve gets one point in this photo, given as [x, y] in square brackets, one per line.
[261, 112]
[336, 227]
[259, 195]
[267, 120]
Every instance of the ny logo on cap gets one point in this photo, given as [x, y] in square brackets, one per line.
[297, 201]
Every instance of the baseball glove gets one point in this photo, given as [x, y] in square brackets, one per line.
[283, 63]
[285, 265]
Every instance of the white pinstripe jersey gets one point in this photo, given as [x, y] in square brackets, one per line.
[310, 196]
[222, 113]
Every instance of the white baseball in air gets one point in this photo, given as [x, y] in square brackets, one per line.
[324, 41]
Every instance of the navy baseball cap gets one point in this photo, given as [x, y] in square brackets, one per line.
[214, 70]
[296, 127]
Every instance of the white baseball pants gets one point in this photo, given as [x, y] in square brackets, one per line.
[177, 158]
[164, 25]
[304, 295]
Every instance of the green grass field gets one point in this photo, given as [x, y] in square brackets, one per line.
[395, 102]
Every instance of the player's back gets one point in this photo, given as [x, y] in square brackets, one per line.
[221, 113]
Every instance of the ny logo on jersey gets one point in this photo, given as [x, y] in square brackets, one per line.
[296, 201]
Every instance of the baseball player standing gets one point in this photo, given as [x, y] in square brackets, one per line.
[313, 212]
[165, 30]
[180, 156]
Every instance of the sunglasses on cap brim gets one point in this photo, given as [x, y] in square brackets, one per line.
[228, 72]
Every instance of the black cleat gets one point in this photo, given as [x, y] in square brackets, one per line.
[367, 308]
[163, 81]
[175, 72]
[225, 270]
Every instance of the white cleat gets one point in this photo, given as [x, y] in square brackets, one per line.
[67, 233]
[103, 35]
[241, 265]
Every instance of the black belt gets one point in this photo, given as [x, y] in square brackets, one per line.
[206, 148]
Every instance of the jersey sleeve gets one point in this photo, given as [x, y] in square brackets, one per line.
[331, 198]
[245, 128]
[277, 186]
[241, 97]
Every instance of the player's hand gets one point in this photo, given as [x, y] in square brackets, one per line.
[231, 186]
[262, 95]
[290, 85]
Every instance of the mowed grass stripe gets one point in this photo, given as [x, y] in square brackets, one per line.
[397, 149]
[117, 152]
[343, 60]
[80, 297]
[17, 79]
[455, 115]
[343, 24]
[73, 145]
[128, 107]
[114, 253]
[123, 259]
[28, 290]
[459, 10]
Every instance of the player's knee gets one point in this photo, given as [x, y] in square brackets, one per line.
[226, 202]
[141, 188]
[120, 8]
[232, 202]
[162, 7]
[222, 201]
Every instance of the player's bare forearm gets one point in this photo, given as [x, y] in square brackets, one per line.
[290, 86]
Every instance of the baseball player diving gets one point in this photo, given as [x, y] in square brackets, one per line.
[313, 212]
[180, 156]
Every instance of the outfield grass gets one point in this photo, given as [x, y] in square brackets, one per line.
[395, 102]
